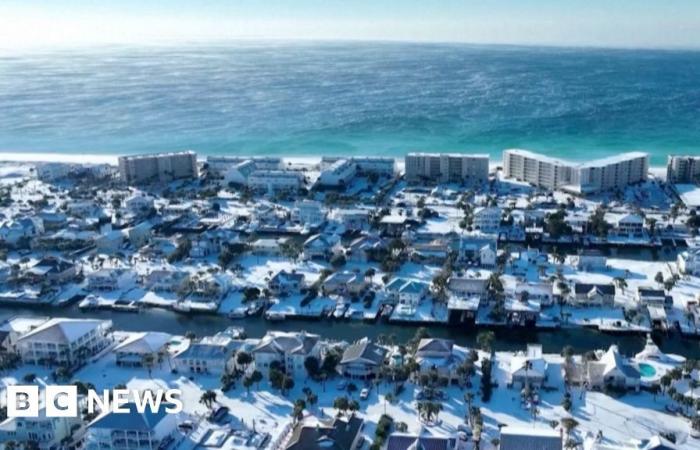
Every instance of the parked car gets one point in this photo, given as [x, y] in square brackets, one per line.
[364, 394]
[342, 385]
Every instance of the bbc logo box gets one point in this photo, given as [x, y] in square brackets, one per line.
[58, 401]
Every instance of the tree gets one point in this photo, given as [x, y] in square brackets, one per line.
[341, 404]
[312, 366]
[247, 383]
[256, 377]
[148, 361]
[485, 340]
[659, 278]
[208, 398]
[244, 359]
[621, 283]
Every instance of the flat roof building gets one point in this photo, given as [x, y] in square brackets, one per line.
[446, 167]
[158, 167]
[683, 169]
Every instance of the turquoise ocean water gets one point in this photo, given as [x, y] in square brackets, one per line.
[305, 99]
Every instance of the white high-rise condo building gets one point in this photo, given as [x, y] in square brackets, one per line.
[614, 172]
[158, 167]
[683, 169]
[446, 167]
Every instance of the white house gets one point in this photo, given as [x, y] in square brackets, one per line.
[108, 279]
[593, 294]
[407, 292]
[163, 280]
[284, 283]
[139, 204]
[362, 359]
[133, 430]
[64, 341]
[208, 357]
[110, 242]
[308, 212]
[46, 432]
[529, 368]
[340, 173]
[319, 246]
[440, 355]
[689, 262]
[134, 350]
[612, 369]
[590, 260]
[629, 225]
[290, 349]
[487, 219]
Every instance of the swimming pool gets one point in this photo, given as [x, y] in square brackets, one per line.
[647, 370]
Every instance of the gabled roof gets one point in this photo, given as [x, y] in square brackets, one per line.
[133, 420]
[402, 441]
[435, 345]
[363, 351]
[146, 342]
[587, 288]
[291, 343]
[335, 434]
[62, 331]
[524, 438]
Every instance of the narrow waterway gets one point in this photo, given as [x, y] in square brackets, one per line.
[581, 339]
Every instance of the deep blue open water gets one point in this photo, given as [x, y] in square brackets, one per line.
[351, 98]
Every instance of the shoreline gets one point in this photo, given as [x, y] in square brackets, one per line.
[74, 158]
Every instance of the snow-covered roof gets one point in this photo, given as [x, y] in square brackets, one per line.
[63, 331]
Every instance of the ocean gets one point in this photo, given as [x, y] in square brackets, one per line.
[310, 99]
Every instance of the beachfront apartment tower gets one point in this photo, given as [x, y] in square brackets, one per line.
[158, 167]
[683, 169]
[615, 172]
[538, 170]
[446, 167]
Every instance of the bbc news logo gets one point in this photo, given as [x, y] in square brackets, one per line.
[63, 401]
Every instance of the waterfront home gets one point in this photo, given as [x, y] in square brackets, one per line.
[66, 342]
[284, 283]
[528, 438]
[14, 327]
[540, 291]
[107, 279]
[612, 369]
[133, 430]
[47, 433]
[407, 292]
[462, 310]
[433, 252]
[362, 359]
[289, 349]
[267, 246]
[529, 368]
[274, 181]
[344, 283]
[689, 262]
[395, 225]
[423, 441]
[337, 433]
[439, 355]
[467, 287]
[207, 357]
[487, 219]
[53, 270]
[136, 349]
[352, 219]
[364, 248]
[631, 225]
[648, 296]
[53, 221]
[207, 286]
[163, 280]
[591, 260]
[522, 313]
[319, 246]
[593, 294]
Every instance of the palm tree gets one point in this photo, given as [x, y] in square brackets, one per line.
[621, 283]
[469, 399]
[148, 361]
[485, 340]
[208, 398]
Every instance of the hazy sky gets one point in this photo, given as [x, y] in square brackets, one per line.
[617, 23]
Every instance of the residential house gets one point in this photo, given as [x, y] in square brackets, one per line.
[110, 242]
[364, 248]
[540, 291]
[284, 283]
[529, 438]
[467, 287]
[15, 232]
[339, 173]
[289, 349]
[353, 219]
[612, 369]
[529, 368]
[423, 441]
[53, 270]
[631, 225]
[147, 430]
[648, 296]
[593, 294]
[267, 246]
[64, 341]
[139, 204]
[336, 433]
[207, 357]
[487, 219]
[47, 433]
[140, 234]
[344, 283]
[107, 279]
[163, 280]
[135, 349]
[522, 313]
[689, 262]
[362, 359]
[407, 292]
[319, 246]
[439, 355]
[308, 212]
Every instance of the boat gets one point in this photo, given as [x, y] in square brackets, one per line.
[275, 316]
[181, 307]
[126, 306]
[238, 313]
[339, 312]
[88, 303]
[255, 308]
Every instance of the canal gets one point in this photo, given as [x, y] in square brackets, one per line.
[581, 339]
